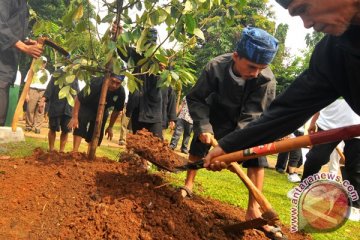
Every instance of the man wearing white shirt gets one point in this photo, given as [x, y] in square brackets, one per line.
[35, 108]
[337, 114]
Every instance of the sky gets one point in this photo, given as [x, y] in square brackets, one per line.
[295, 40]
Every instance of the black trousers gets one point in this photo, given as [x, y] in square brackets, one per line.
[4, 102]
[294, 157]
[320, 154]
[155, 128]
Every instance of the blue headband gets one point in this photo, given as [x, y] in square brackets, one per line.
[257, 46]
[120, 77]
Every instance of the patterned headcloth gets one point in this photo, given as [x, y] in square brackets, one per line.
[120, 77]
[284, 3]
[257, 45]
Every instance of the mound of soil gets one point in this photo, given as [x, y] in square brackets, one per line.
[154, 150]
[64, 196]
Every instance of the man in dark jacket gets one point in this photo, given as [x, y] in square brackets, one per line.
[60, 111]
[334, 71]
[13, 30]
[85, 110]
[233, 90]
[144, 107]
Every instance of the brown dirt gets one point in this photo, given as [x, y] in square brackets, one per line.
[154, 150]
[64, 196]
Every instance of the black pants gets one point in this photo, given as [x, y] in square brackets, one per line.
[320, 154]
[294, 157]
[155, 128]
[4, 101]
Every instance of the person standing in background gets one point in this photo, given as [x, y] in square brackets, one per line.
[60, 112]
[184, 125]
[35, 108]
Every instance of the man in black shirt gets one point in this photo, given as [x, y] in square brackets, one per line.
[13, 30]
[85, 109]
[60, 111]
[334, 71]
[233, 90]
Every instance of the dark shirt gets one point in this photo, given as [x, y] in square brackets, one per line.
[147, 100]
[13, 27]
[168, 106]
[217, 100]
[59, 107]
[114, 99]
[334, 71]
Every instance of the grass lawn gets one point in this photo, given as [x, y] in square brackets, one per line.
[224, 186]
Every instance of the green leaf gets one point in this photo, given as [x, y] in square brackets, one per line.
[150, 51]
[188, 7]
[111, 45]
[174, 75]
[79, 12]
[69, 79]
[199, 33]
[190, 23]
[131, 84]
[138, 6]
[154, 68]
[117, 68]
[73, 92]
[81, 26]
[70, 100]
[154, 17]
[108, 18]
[64, 92]
[161, 58]
[126, 37]
[141, 41]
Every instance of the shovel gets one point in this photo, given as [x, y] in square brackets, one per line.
[333, 135]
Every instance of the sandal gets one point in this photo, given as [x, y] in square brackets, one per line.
[272, 233]
[189, 193]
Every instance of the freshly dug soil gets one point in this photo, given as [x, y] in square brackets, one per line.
[154, 150]
[65, 196]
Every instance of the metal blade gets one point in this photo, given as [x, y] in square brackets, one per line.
[191, 166]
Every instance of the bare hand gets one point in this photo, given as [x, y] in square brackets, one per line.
[206, 138]
[41, 106]
[214, 165]
[74, 123]
[172, 125]
[27, 98]
[312, 128]
[109, 133]
[115, 27]
[30, 47]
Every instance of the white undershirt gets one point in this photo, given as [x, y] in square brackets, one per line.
[239, 80]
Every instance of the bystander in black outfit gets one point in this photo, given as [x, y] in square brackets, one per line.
[86, 106]
[60, 111]
[144, 107]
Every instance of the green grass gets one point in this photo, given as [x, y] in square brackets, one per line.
[224, 186]
[21, 149]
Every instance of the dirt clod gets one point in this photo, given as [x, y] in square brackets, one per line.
[153, 149]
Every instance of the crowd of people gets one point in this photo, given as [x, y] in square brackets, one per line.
[233, 101]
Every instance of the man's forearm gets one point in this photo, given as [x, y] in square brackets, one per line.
[75, 112]
[113, 117]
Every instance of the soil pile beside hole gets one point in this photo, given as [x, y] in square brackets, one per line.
[154, 150]
[65, 196]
